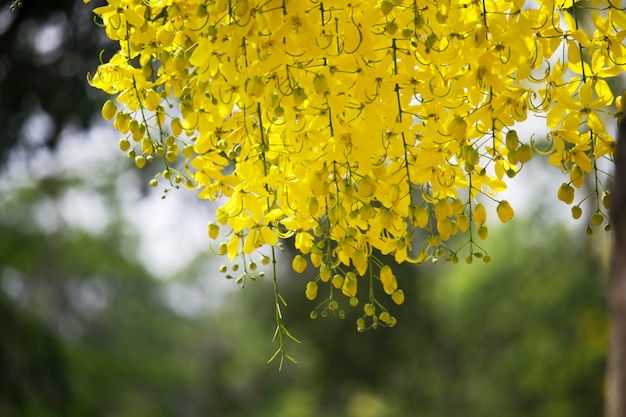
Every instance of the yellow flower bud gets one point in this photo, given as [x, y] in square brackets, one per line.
[299, 263]
[391, 27]
[338, 281]
[152, 100]
[386, 275]
[137, 131]
[513, 157]
[313, 206]
[124, 144]
[458, 128]
[273, 99]
[317, 184]
[122, 122]
[279, 111]
[525, 153]
[384, 316]
[480, 34]
[320, 84]
[360, 325]
[505, 211]
[398, 297]
[392, 287]
[213, 230]
[597, 218]
[140, 161]
[462, 222]
[311, 290]
[445, 228]
[349, 286]
[146, 146]
[188, 151]
[577, 177]
[471, 156]
[325, 273]
[606, 200]
[566, 193]
[366, 187]
[316, 258]
[386, 218]
[457, 206]
[433, 240]
[620, 102]
[511, 139]
[443, 209]
[255, 87]
[420, 216]
[359, 261]
[480, 214]
[386, 6]
[177, 127]
[241, 7]
[299, 96]
[366, 211]
[108, 110]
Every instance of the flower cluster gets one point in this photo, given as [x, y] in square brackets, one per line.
[356, 127]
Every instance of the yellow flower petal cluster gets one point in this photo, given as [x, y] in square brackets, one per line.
[353, 126]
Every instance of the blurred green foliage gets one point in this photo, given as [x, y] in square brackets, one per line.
[86, 330]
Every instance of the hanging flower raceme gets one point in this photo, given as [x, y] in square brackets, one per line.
[359, 127]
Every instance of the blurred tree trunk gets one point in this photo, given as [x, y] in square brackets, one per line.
[616, 378]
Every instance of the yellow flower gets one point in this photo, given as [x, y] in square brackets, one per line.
[480, 214]
[349, 286]
[348, 129]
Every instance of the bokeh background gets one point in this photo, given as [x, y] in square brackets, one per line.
[111, 303]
